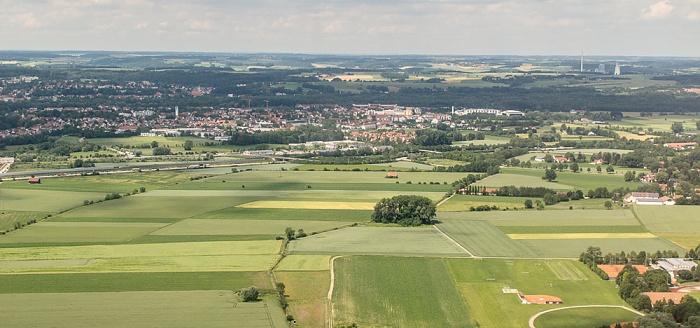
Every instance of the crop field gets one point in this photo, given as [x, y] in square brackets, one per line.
[369, 292]
[353, 195]
[307, 298]
[548, 218]
[377, 240]
[587, 235]
[8, 218]
[462, 203]
[76, 232]
[684, 240]
[104, 183]
[551, 230]
[660, 123]
[310, 205]
[304, 263]
[170, 257]
[288, 214]
[482, 238]
[145, 309]
[402, 165]
[669, 219]
[43, 200]
[481, 283]
[338, 177]
[131, 281]
[195, 227]
[142, 207]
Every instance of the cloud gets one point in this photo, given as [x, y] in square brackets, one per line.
[660, 9]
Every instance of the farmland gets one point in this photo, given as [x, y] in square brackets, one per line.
[215, 235]
[371, 292]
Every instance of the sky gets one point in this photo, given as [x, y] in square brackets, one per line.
[440, 27]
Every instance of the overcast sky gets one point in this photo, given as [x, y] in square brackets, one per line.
[467, 27]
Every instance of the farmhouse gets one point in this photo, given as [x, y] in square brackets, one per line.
[613, 270]
[392, 175]
[668, 296]
[34, 180]
[643, 198]
[681, 145]
[560, 159]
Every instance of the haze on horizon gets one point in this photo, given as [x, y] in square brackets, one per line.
[470, 27]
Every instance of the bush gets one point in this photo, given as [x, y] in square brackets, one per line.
[249, 294]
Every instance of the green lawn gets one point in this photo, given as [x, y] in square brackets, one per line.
[78, 232]
[370, 291]
[592, 317]
[481, 283]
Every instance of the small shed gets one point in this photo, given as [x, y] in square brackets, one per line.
[392, 175]
[34, 180]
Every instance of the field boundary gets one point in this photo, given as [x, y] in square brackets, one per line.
[531, 322]
[454, 241]
[330, 292]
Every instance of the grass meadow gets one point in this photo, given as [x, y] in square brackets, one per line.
[307, 296]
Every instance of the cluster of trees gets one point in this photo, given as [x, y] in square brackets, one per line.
[406, 210]
[591, 258]
[632, 284]
[249, 294]
[292, 234]
[465, 183]
[431, 138]
[300, 134]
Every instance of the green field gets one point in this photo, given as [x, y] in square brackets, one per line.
[462, 203]
[568, 180]
[377, 240]
[8, 218]
[170, 257]
[287, 214]
[370, 291]
[669, 219]
[43, 200]
[481, 283]
[77, 232]
[105, 183]
[194, 227]
[549, 218]
[144, 309]
[304, 263]
[592, 317]
[144, 207]
[521, 180]
[131, 281]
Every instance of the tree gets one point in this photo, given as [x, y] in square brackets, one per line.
[608, 205]
[528, 203]
[406, 210]
[610, 169]
[290, 233]
[549, 175]
[161, 151]
[629, 176]
[575, 167]
[154, 144]
[677, 127]
[249, 294]
[188, 145]
[599, 169]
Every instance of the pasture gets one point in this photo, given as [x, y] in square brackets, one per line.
[145, 309]
[51, 201]
[105, 183]
[310, 205]
[375, 292]
[481, 283]
[8, 218]
[377, 240]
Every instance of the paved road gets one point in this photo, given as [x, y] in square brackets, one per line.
[531, 322]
